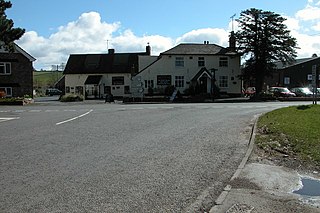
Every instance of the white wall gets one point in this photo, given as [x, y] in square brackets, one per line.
[74, 80]
[166, 66]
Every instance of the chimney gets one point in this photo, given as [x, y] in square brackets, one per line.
[111, 51]
[148, 49]
[232, 42]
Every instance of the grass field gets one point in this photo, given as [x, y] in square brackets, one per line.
[292, 130]
[45, 79]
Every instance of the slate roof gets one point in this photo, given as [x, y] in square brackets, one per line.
[93, 79]
[200, 73]
[280, 65]
[102, 63]
[196, 49]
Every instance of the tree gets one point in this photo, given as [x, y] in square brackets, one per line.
[8, 34]
[263, 39]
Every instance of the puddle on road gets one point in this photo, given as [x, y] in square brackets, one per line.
[310, 187]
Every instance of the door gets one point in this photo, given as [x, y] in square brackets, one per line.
[203, 85]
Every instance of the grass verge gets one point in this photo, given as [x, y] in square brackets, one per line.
[292, 131]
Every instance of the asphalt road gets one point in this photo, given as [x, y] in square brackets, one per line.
[95, 157]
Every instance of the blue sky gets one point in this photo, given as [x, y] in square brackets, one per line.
[57, 28]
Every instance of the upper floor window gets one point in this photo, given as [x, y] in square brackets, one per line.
[118, 80]
[179, 62]
[201, 62]
[5, 68]
[223, 62]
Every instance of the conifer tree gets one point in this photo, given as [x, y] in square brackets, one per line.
[8, 34]
[263, 39]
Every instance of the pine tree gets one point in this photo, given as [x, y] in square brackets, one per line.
[263, 39]
[8, 34]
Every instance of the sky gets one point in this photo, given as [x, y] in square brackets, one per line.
[57, 28]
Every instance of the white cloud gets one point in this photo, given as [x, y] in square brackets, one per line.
[309, 13]
[308, 45]
[213, 35]
[316, 27]
[88, 34]
[292, 23]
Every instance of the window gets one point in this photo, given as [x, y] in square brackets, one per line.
[286, 80]
[119, 80]
[79, 90]
[163, 80]
[201, 62]
[67, 89]
[179, 62]
[148, 84]
[309, 77]
[5, 68]
[7, 91]
[179, 81]
[223, 81]
[223, 62]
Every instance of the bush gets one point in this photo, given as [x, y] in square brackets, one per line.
[169, 90]
[71, 98]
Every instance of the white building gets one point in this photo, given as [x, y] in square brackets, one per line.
[95, 75]
[199, 66]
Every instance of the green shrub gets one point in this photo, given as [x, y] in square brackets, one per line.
[11, 99]
[169, 90]
[71, 98]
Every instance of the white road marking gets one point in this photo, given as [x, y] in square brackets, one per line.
[51, 110]
[8, 119]
[71, 119]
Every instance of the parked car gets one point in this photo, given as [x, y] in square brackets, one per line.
[53, 91]
[302, 91]
[250, 91]
[318, 90]
[281, 92]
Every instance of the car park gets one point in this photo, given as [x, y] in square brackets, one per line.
[281, 92]
[302, 91]
[53, 91]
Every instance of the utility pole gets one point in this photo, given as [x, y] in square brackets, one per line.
[232, 18]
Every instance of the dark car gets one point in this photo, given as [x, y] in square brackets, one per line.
[302, 91]
[53, 91]
[281, 92]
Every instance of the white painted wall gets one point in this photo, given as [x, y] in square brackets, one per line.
[166, 66]
[74, 80]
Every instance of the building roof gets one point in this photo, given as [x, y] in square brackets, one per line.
[23, 52]
[203, 71]
[280, 65]
[196, 49]
[18, 49]
[102, 63]
[93, 79]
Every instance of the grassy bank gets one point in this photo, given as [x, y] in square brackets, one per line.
[46, 78]
[292, 131]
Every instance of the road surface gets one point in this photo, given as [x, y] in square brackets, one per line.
[99, 157]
